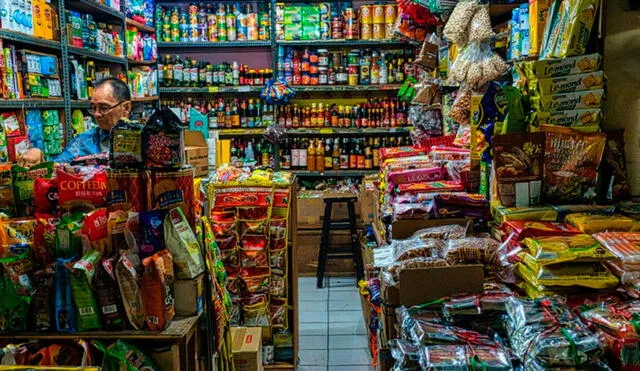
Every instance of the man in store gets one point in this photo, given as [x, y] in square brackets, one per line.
[110, 102]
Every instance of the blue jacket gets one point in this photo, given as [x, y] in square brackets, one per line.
[90, 142]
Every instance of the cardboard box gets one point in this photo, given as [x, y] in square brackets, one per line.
[196, 152]
[388, 321]
[424, 285]
[247, 348]
[188, 296]
[385, 360]
[401, 229]
[368, 205]
[167, 359]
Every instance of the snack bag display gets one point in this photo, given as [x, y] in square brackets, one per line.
[183, 245]
[126, 145]
[590, 223]
[80, 278]
[79, 186]
[163, 141]
[548, 250]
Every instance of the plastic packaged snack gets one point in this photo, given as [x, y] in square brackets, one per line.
[456, 30]
[480, 28]
[435, 186]
[68, 239]
[570, 118]
[108, 294]
[130, 289]
[548, 250]
[80, 278]
[79, 186]
[571, 165]
[94, 230]
[571, 83]
[152, 225]
[42, 298]
[256, 313]
[587, 99]
[593, 275]
[590, 223]
[23, 185]
[64, 312]
[427, 247]
[443, 232]
[45, 192]
[564, 66]
[126, 145]
[156, 292]
[182, 243]
[624, 245]
[470, 250]
[163, 141]
[522, 229]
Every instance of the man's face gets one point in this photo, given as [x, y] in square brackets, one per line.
[105, 112]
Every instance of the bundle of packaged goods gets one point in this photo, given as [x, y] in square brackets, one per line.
[213, 23]
[99, 243]
[249, 216]
[85, 32]
[28, 74]
[327, 21]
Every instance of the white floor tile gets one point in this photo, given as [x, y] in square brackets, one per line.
[344, 296]
[346, 328]
[313, 316]
[312, 342]
[311, 368]
[313, 357]
[312, 306]
[353, 368]
[348, 305]
[310, 281]
[342, 282]
[347, 342]
[313, 295]
[313, 329]
[342, 357]
[346, 316]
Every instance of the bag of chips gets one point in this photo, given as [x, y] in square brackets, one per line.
[80, 277]
[590, 223]
[183, 245]
[94, 230]
[130, 357]
[151, 224]
[126, 145]
[16, 232]
[547, 250]
[65, 314]
[68, 236]
[45, 194]
[163, 141]
[81, 186]
[14, 307]
[156, 292]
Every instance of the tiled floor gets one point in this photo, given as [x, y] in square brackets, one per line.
[332, 330]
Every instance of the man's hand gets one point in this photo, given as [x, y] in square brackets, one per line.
[30, 158]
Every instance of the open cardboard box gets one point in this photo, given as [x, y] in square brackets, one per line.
[419, 286]
[196, 152]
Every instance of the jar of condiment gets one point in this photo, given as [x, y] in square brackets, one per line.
[323, 57]
[332, 76]
[342, 77]
[323, 75]
[313, 57]
[306, 78]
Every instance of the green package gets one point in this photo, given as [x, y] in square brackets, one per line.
[68, 240]
[80, 276]
[23, 181]
[14, 308]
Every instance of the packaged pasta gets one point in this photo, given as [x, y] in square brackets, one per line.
[590, 223]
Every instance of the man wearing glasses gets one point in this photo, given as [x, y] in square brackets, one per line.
[110, 102]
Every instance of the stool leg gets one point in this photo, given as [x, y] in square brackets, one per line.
[324, 244]
[355, 249]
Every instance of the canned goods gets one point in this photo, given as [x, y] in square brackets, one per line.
[378, 14]
[353, 70]
[350, 29]
[352, 58]
[342, 77]
[336, 28]
[325, 11]
[306, 79]
[125, 190]
[365, 31]
[323, 77]
[297, 79]
[314, 80]
[390, 13]
[349, 15]
[389, 29]
[323, 58]
[365, 14]
[378, 31]
[353, 79]
[325, 30]
[313, 69]
[313, 57]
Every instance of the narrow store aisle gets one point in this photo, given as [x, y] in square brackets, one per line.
[332, 330]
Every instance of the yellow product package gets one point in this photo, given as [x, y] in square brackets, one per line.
[571, 101]
[503, 214]
[571, 83]
[592, 223]
[558, 249]
[575, 36]
[538, 13]
[562, 67]
[571, 118]
[538, 291]
[594, 275]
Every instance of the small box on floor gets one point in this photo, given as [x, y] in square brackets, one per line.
[189, 296]
[247, 348]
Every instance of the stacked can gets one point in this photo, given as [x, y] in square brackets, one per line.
[390, 11]
[366, 21]
[353, 64]
[378, 22]
[325, 21]
[350, 24]
[264, 26]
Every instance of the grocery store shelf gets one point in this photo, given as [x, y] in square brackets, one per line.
[211, 89]
[96, 9]
[499, 8]
[145, 99]
[346, 131]
[32, 103]
[219, 44]
[96, 56]
[333, 173]
[80, 104]
[253, 132]
[330, 88]
[30, 40]
[140, 26]
[140, 63]
[343, 42]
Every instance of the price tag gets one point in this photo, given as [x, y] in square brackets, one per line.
[244, 89]
[326, 131]
[213, 89]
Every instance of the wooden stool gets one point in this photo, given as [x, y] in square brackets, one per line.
[328, 225]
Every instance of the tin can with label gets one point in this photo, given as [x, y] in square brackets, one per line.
[350, 29]
[325, 30]
[365, 31]
[389, 30]
[336, 28]
[378, 14]
[365, 14]
[325, 12]
[390, 13]
[353, 69]
[352, 57]
[353, 79]
[378, 32]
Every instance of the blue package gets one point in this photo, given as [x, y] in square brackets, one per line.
[152, 225]
[65, 313]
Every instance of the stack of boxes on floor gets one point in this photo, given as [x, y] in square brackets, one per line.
[516, 228]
